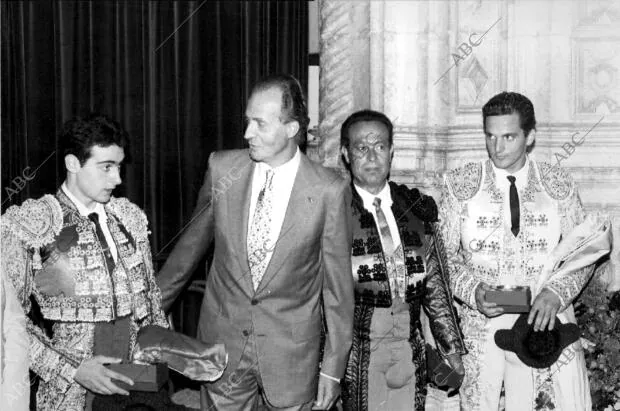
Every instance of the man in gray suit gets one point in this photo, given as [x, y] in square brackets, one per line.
[281, 268]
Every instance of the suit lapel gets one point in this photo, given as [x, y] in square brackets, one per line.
[295, 210]
[239, 206]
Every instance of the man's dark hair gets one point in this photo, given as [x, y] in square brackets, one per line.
[80, 134]
[364, 115]
[293, 101]
[508, 102]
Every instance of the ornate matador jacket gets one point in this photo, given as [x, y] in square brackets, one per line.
[481, 247]
[427, 286]
[49, 235]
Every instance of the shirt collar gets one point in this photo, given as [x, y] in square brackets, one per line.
[82, 209]
[368, 198]
[520, 176]
[290, 166]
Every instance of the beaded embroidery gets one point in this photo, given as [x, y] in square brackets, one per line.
[557, 182]
[465, 181]
[66, 237]
[550, 208]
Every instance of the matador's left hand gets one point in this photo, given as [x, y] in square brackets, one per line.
[544, 309]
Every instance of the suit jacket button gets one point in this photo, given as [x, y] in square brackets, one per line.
[246, 333]
[254, 301]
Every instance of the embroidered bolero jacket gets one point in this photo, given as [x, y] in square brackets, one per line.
[479, 243]
[49, 236]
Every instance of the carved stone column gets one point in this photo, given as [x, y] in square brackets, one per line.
[344, 75]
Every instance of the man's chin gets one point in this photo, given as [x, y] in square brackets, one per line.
[500, 163]
[509, 165]
[104, 198]
[372, 184]
[254, 155]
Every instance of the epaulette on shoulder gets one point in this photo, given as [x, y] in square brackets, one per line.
[465, 181]
[131, 216]
[555, 180]
[35, 222]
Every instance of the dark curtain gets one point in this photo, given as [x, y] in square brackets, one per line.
[175, 74]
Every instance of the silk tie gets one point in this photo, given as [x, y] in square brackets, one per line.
[94, 217]
[515, 213]
[112, 338]
[386, 235]
[258, 235]
[394, 258]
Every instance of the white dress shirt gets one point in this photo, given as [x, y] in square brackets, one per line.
[504, 186]
[103, 218]
[386, 207]
[282, 186]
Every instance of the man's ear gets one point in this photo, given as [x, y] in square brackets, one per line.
[529, 140]
[292, 127]
[345, 154]
[72, 164]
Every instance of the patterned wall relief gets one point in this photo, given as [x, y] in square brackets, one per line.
[596, 47]
[479, 53]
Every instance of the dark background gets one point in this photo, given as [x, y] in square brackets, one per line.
[176, 75]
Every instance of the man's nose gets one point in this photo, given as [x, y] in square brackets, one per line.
[499, 145]
[249, 131]
[372, 154]
[116, 176]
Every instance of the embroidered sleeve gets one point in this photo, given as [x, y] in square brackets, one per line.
[158, 317]
[462, 278]
[52, 363]
[438, 300]
[569, 286]
[134, 219]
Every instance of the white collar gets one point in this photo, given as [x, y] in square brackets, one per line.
[82, 209]
[290, 166]
[520, 175]
[368, 198]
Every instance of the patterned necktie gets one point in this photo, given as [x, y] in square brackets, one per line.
[258, 234]
[386, 235]
[515, 213]
[94, 217]
[394, 258]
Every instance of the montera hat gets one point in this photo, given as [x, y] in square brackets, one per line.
[537, 349]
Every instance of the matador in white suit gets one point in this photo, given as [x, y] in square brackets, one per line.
[500, 219]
